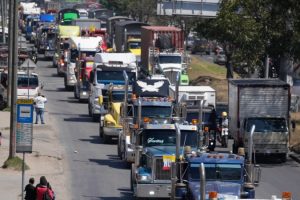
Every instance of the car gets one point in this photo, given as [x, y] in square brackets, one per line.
[220, 58]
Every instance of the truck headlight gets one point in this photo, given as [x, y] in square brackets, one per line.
[143, 178]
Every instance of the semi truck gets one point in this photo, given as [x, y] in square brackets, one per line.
[79, 47]
[152, 96]
[60, 58]
[128, 37]
[264, 103]
[108, 69]
[111, 29]
[162, 51]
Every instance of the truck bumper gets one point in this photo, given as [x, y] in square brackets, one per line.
[112, 131]
[270, 149]
[156, 190]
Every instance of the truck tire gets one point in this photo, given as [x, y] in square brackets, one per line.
[106, 139]
[283, 157]
[90, 112]
[100, 131]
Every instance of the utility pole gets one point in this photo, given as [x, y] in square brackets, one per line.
[10, 50]
[3, 19]
[14, 69]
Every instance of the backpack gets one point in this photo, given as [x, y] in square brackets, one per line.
[46, 195]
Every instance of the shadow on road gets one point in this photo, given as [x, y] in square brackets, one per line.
[92, 139]
[126, 194]
[117, 164]
[56, 90]
[84, 118]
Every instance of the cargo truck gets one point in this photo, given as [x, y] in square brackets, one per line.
[111, 29]
[162, 51]
[264, 103]
[128, 37]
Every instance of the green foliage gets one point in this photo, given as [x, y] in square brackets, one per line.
[14, 163]
[254, 28]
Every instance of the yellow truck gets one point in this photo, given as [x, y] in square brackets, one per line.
[111, 126]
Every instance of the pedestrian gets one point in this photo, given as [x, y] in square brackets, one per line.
[30, 190]
[39, 103]
[42, 188]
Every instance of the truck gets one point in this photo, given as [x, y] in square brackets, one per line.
[161, 51]
[65, 16]
[112, 125]
[108, 69]
[152, 96]
[128, 37]
[45, 40]
[197, 103]
[111, 27]
[79, 47]
[197, 174]
[52, 7]
[28, 85]
[264, 103]
[155, 149]
[31, 27]
[84, 66]
[60, 58]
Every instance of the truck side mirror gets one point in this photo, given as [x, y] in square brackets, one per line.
[100, 100]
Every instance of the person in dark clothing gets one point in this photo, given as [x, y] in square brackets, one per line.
[30, 190]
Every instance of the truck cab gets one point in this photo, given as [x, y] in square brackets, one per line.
[225, 174]
[84, 66]
[108, 69]
[156, 148]
[79, 47]
[112, 126]
[149, 101]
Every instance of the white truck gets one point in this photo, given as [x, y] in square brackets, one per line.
[170, 64]
[108, 70]
[79, 47]
[264, 103]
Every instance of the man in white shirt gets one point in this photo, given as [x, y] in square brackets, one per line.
[39, 103]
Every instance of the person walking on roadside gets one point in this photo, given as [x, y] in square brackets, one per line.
[39, 103]
[42, 189]
[30, 190]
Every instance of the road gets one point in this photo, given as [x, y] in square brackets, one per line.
[96, 171]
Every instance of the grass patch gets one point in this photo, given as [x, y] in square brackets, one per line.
[14, 163]
[7, 109]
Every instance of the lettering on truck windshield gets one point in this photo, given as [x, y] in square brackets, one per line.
[115, 77]
[168, 138]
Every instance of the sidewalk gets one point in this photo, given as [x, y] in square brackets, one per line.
[46, 159]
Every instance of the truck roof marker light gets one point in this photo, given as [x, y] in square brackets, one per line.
[133, 96]
[194, 121]
[213, 195]
[206, 128]
[286, 196]
[146, 120]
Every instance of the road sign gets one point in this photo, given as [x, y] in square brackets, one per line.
[24, 126]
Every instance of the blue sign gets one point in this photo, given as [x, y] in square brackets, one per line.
[25, 113]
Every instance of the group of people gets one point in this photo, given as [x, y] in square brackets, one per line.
[41, 191]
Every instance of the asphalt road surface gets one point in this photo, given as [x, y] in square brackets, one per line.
[97, 172]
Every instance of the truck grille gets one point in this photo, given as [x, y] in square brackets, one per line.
[161, 174]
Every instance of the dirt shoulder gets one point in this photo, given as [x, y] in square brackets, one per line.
[47, 159]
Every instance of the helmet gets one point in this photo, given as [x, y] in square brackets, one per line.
[224, 114]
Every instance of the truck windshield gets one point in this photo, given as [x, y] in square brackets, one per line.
[169, 59]
[168, 138]
[31, 82]
[217, 172]
[155, 111]
[134, 45]
[267, 124]
[115, 77]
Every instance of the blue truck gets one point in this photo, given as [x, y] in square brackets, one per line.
[31, 26]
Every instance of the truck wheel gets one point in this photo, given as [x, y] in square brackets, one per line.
[90, 112]
[100, 131]
[283, 157]
[75, 93]
[106, 139]
[234, 148]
